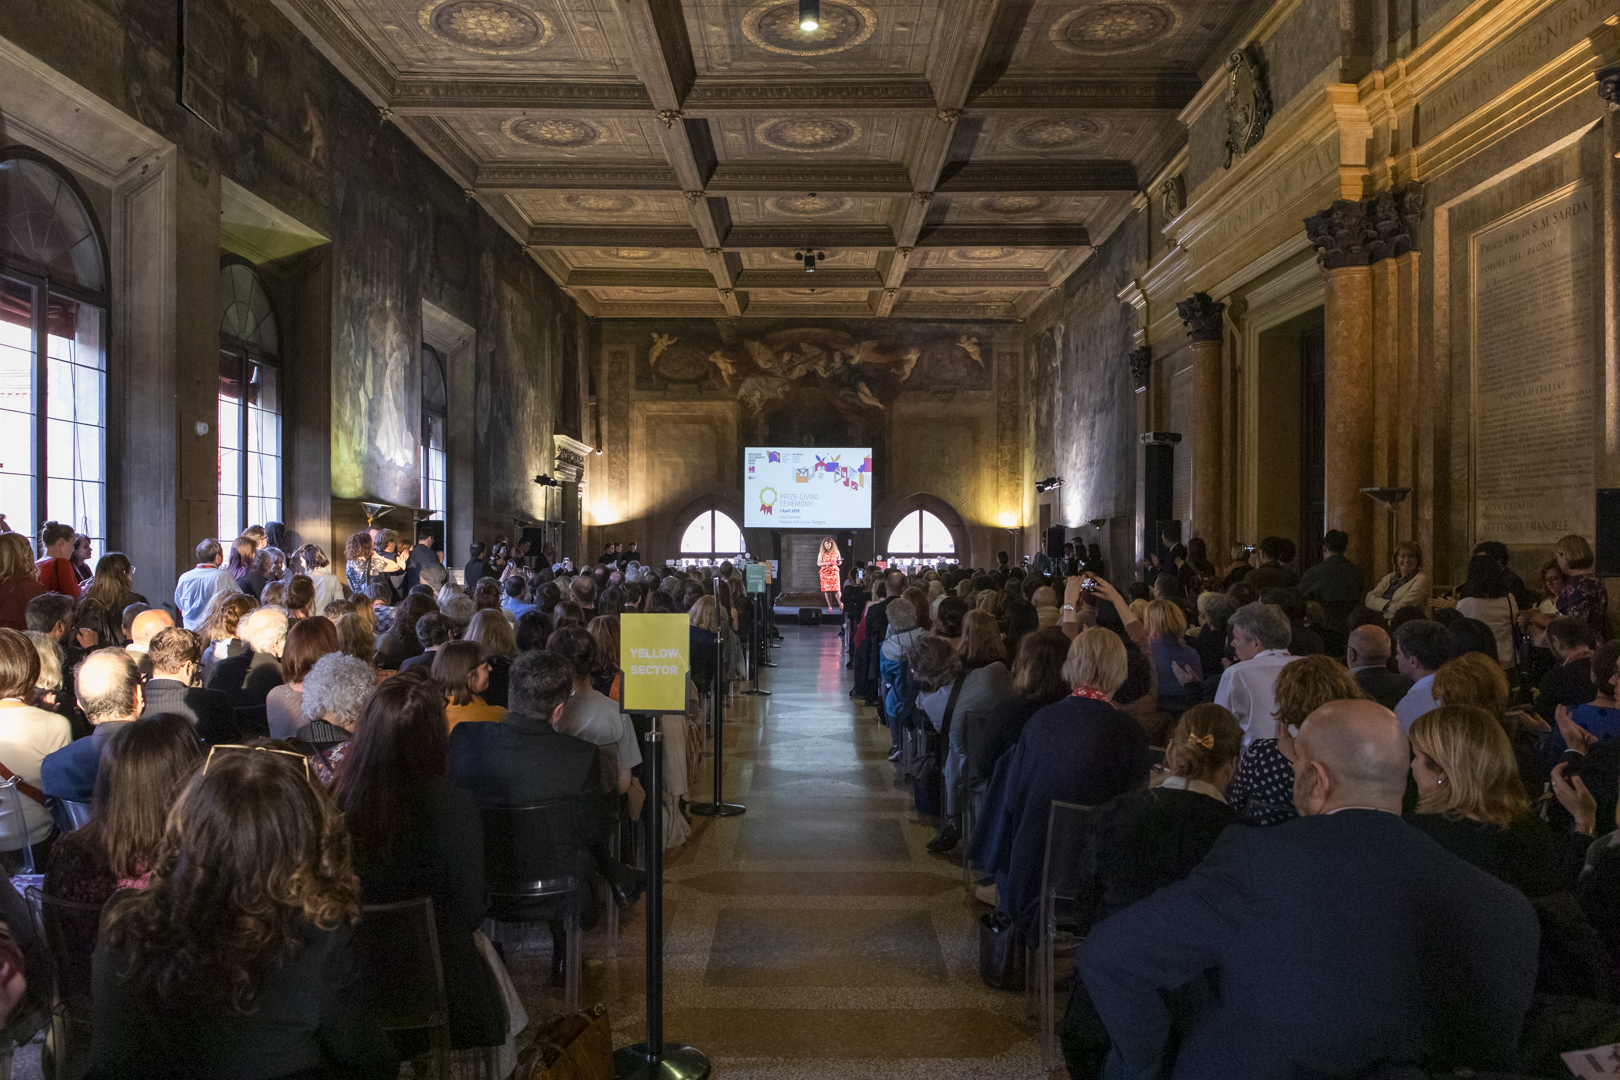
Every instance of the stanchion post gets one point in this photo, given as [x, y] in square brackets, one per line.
[656, 1059]
[756, 647]
[719, 807]
[765, 644]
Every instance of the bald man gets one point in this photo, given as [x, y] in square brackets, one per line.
[1367, 656]
[109, 692]
[147, 625]
[1339, 941]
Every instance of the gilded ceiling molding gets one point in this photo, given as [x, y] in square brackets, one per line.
[1202, 317]
[1122, 91]
[1079, 176]
[668, 117]
[420, 94]
[714, 93]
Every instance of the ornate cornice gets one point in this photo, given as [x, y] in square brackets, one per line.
[1202, 317]
[443, 148]
[1141, 363]
[1001, 176]
[1122, 91]
[946, 277]
[342, 43]
[428, 96]
[795, 279]
[500, 176]
[793, 177]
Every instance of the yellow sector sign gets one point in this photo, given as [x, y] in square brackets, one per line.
[653, 651]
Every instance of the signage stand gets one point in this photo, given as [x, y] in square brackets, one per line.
[719, 807]
[656, 1059]
[757, 657]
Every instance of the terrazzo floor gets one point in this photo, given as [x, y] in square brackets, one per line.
[815, 935]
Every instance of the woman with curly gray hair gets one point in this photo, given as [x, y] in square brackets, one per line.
[335, 690]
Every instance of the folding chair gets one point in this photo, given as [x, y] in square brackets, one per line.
[69, 930]
[532, 860]
[1060, 892]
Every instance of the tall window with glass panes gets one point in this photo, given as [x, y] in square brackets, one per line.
[435, 411]
[249, 403]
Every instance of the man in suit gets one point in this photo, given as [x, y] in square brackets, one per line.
[476, 566]
[422, 566]
[524, 760]
[176, 657]
[1335, 582]
[1367, 657]
[247, 678]
[110, 694]
[1340, 941]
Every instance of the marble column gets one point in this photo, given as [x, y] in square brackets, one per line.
[1348, 240]
[1202, 317]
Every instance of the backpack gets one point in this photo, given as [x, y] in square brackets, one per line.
[928, 777]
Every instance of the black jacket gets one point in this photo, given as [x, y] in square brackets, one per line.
[1383, 685]
[1142, 841]
[310, 1019]
[247, 680]
[1339, 942]
[210, 711]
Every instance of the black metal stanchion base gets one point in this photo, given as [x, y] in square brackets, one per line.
[756, 692]
[677, 1062]
[711, 809]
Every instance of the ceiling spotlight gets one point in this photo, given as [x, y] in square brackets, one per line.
[809, 15]
[809, 257]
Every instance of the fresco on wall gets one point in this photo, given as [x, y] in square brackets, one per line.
[860, 372]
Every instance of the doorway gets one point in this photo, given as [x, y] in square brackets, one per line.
[1290, 429]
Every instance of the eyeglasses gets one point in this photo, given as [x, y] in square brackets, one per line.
[265, 749]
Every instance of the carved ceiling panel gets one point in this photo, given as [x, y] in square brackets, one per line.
[552, 137]
[834, 133]
[520, 37]
[810, 210]
[658, 158]
[856, 37]
[1136, 35]
[600, 208]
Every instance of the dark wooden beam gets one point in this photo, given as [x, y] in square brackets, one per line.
[771, 177]
[1029, 177]
[628, 176]
[1013, 236]
[646, 236]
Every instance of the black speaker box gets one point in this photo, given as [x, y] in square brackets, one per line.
[1607, 548]
[1158, 461]
[809, 616]
[1056, 537]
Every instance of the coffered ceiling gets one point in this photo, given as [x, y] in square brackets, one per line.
[952, 158]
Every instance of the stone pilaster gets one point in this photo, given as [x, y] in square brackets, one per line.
[1203, 318]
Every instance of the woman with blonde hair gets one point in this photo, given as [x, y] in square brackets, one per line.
[1472, 679]
[1404, 586]
[1263, 789]
[219, 629]
[1166, 627]
[1079, 750]
[1582, 595]
[703, 636]
[608, 678]
[1471, 801]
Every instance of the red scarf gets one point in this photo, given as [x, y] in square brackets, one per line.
[1093, 693]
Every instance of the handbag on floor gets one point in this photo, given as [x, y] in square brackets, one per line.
[1001, 952]
[577, 1047]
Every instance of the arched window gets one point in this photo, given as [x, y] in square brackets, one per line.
[53, 355]
[921, 533]
[435, 411]
[249, 403]
[712, 533]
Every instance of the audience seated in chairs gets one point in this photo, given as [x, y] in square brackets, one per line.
[221, 628]
[176, 657]
[144, 766]
[986, 685]
[524, 760]
[1367, 657]
[1080, 750]
[146, 626]
[335, 691]
[1146, 839]
[1344, 939]
[237, 959]
[110, 694]
[416, 834]
[1262, 792]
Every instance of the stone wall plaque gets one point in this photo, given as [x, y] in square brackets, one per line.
[1532, 351]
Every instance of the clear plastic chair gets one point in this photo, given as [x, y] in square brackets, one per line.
[15, 849]
[69, 931]
[532, 870]
[76, 813]
[1060, 892]
[398, 949]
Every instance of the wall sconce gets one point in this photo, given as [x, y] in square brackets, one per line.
[1009, 520]
[201, 428]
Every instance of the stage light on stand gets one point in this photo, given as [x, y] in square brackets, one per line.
[1051, 483]
[809, 15]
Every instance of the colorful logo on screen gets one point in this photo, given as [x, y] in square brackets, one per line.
[773, 456]
[767, 499]
[827, 464]
[801, 476]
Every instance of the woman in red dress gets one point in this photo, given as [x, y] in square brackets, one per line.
[831, 583]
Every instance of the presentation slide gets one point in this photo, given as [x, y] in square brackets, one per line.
[803, 487]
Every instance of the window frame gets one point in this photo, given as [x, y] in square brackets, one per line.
[714, 514]
[43, 287]
[425, 450]
[923, 513]
[248, 355]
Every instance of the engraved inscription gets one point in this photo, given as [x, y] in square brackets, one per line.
[1533, 341]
